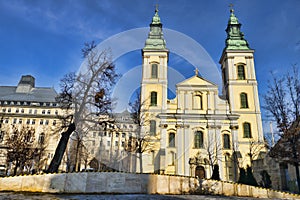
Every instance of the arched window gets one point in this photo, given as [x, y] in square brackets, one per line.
[154, 70]
[198, 140]
[226, 141]
[247, 130]
[153, 99]
[197, 102]
[152, 127]
[172, 140]
[244, 100]
[241, 72]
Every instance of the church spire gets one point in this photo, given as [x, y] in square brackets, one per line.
[235, 37]
[155, 40]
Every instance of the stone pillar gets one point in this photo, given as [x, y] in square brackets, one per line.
[180, 150]
[187, 145]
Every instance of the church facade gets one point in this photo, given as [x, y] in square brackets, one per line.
[201, 128]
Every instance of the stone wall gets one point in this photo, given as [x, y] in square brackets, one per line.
[127, 183]
[241, 190]
[97, 182]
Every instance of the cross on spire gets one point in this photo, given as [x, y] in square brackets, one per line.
[231, 7]
[196, 71]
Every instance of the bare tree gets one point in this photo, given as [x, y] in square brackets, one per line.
[255, 148]
[84, 96]
[22, 149]
[213, 152]
[144, 141]
[282, 101]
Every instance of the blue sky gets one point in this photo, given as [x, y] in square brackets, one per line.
[44, 38]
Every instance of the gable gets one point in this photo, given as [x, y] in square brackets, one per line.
[196, 81]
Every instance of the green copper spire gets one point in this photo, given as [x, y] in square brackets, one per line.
[235, 38]
[155, 40]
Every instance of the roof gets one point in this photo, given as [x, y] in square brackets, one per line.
[37, 94]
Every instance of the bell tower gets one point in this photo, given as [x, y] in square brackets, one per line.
[239, 82]
[154, 84]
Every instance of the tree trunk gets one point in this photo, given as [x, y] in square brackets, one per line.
[141, 162]
[60, 149]
[296, 165]
[77, 155]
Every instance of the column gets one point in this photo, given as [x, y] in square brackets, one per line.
[180, 150]
[187, 145]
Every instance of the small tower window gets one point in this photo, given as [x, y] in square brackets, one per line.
[198, 140]
[153, 99]
[241, 72]
[154, 70]
[226, 141]
[247, 130]
[172, 140]
[244, 100]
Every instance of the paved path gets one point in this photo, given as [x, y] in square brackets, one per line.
[38, 196]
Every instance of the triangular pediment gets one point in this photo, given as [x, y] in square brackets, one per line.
[196, 81]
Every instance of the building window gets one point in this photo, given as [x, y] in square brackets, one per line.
[9, 110]
[30, 111]
[172, 140]
[33, 121]
[241, 72]
[43, 111]
[14, 121]
[116, 143]
[152, 127]
[49, 112]
[108, 143]
[41, 122]
[244, 100]
[198, 140]
[173, 157]
[54, 122]
[41, 138]
[17, 110]
[226, 141]
[28, 121]
[247, 130]
[1, 136]
[22, 110]
[197, 102]
[56, 112]
[47, 122]
[123, 135]
[20, 121]
[153, 99]
[154, 71]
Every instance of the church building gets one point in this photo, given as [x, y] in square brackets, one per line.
[201, 128]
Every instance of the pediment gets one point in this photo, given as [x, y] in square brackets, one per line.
[196, 81]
